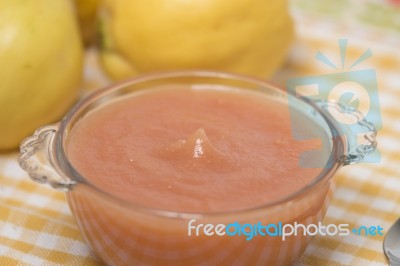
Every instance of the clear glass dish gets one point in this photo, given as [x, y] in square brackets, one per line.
[127, 234]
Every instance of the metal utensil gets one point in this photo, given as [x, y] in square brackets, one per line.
[391, 244]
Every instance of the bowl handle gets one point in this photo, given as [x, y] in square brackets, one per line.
[360, 134]
[35, 158]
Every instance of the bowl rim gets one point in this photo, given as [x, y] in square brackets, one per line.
[61, 162]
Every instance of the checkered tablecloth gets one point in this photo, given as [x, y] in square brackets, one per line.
[36, 226]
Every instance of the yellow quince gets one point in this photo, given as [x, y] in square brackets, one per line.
[244, 36]
[41, 65]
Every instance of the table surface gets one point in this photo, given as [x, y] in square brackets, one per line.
[36, 226]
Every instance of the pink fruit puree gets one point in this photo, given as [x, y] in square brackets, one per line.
[192, 150]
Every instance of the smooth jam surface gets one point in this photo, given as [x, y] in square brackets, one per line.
[192, 150]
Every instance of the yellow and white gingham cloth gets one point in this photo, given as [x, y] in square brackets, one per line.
[36, 226]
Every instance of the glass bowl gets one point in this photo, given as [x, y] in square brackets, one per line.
[121, 233]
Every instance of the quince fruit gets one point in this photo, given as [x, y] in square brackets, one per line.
[41, 64]
[243, 36]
